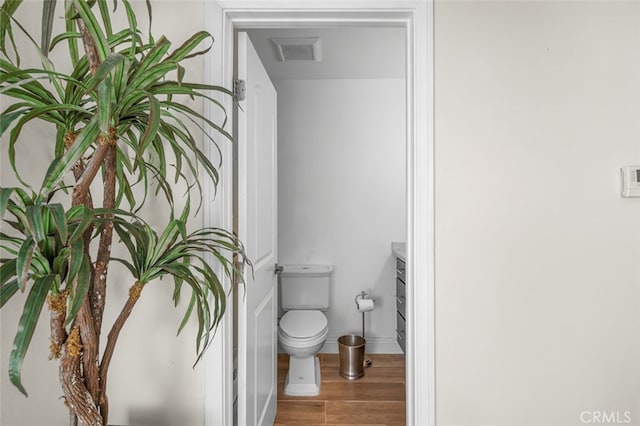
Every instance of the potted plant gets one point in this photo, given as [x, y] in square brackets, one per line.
[121, 136]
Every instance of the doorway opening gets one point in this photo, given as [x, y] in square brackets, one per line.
[341, 170]
[416, 17]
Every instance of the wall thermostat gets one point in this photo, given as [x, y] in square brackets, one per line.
[630, 181]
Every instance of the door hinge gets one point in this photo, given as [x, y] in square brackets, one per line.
[239, 88]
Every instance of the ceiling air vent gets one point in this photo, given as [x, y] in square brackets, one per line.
[297, 48]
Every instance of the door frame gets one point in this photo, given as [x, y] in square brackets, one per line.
[225, 16]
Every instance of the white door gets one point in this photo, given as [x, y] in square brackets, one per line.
[257, 219]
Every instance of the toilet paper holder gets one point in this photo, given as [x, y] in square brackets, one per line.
[363, 296]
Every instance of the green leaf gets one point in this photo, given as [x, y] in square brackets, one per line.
[70, 26]
[26, 326]
[85, 218]
[60, 168]
[187, 313]
[69, 35]
[48, 249]
[167, 238]
[80, 289]
[152, 126]
[184, 51]
[7, 119]
[24, 261]
[7, 290]
[46, 63]
[128, 265]
[61, 262]
[6, 12]
[148, 2]
[153, 57]
[77, 259]
[50, 112]
[104, 105]
[104, 13]
[151, 241]
[39, 265]
[93, 27]
[60, 221]
[43, 112]
[27, 81]
[7, 270]
[5, 195]
[25, 198]
[151, 76]
[48, 13]
[125, 237]
[191, 114]
[34, 217]
[112, 61]
[182, 225]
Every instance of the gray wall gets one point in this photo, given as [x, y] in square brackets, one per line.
[537, 255]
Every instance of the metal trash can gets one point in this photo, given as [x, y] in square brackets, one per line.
[351, 349]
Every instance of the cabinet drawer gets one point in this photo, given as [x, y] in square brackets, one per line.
[400, 331]
[400, 303]
[400, 296]
[401, 343]
[400, 269]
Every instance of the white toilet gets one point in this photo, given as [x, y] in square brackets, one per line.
[304, 294]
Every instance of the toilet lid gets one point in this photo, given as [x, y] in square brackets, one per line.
[303, 324]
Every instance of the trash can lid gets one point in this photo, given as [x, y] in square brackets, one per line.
[351, 340]
[303, 324]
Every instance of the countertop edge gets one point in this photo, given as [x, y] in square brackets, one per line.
[399, 250]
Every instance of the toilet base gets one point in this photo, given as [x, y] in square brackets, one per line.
[303, 378]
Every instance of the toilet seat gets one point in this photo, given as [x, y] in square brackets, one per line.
[302, 324]
[302, 334]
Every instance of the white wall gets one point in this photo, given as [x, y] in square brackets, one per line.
[537, 255]
[341, 193]
[151, 381]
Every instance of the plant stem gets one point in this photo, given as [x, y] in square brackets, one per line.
[89, 47]
[91, 170]
[98, 293]
[84, 404]
[90, 370]
[57, 316]
[112, 338]
[88, 394]
[80, 404]
[97, 296]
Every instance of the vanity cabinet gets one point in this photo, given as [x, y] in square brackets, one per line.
[400, 303]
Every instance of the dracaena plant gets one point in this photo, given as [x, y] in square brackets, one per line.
[120, 120]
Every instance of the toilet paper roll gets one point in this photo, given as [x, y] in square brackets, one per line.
[365, 305]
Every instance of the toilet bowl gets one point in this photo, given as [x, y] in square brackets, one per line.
[301, 334]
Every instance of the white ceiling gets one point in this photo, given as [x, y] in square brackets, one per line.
[354, 52]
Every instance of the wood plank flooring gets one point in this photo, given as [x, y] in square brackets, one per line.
[377, 399]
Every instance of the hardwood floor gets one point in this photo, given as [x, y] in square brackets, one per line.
[378, 398]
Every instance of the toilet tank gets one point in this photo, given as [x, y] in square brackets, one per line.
[305, 286]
